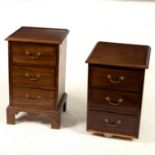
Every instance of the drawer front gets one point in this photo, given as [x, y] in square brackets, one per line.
[33, 77]
[33, 98]
[115, 101]
[113, 123]
[115, 78]
[36, 54]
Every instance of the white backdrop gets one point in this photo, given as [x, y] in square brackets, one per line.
[89, 22]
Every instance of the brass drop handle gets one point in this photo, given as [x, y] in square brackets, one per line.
[32, 78]
[119, 101]
[32, 98]
[121, 78]
[30, 56]
[112, 124]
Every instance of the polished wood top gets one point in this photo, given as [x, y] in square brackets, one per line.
[121, 55]
[39, 35]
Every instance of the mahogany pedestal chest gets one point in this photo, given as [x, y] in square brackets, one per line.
[37, 60]
[115, 88]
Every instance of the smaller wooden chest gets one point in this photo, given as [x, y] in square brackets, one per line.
[115, 88]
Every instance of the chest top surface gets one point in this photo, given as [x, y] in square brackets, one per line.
[39, 35]
[121, 55]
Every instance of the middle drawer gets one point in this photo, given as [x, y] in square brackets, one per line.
[115, 101]
[33, 77]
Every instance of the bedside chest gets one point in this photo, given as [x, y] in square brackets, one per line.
[115, 88]
[37, 60]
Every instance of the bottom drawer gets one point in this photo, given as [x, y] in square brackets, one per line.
[113, 123]
[33, 98]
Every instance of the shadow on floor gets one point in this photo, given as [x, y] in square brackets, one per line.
[67, 119]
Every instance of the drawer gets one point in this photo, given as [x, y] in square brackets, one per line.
[113, 123]
[33, 54]
[115, 101]
[33, 77]
[118, 78]
[33, 98]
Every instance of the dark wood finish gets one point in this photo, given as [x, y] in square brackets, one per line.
[111, 77]
[39, 35]
[33, 54]
[114, 123]
[33, 77]
[37, 59]
[115, 101]
[29, 97]
[118, 54]
[54, 115]
[115, 88]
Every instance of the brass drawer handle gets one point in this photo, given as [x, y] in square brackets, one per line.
[32, 78]
[112, 124]
[119, 101]
[31, 98]
[30, 56]
[121, 78]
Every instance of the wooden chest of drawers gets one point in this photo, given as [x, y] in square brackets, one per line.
[115, 88]
[37, 60]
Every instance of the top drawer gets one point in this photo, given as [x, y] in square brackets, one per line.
[35, 54]
[118, 78]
